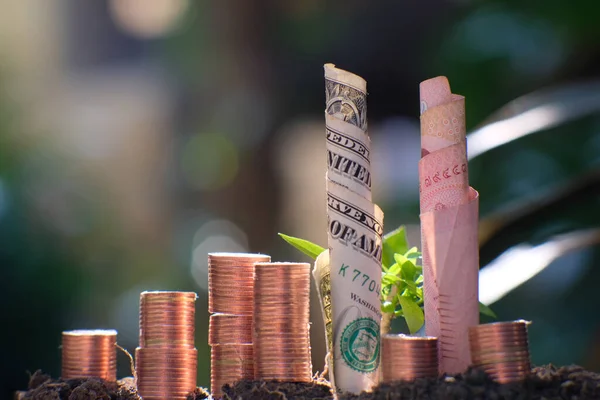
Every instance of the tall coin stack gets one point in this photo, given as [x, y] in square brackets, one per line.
[166, 361]
[89, 353]
[281, 322]
[405, 358]
[501, 349]
[230, 298]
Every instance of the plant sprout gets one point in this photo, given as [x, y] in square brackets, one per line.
[401, 279]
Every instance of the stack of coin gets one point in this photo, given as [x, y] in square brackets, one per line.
[230, 338]
[89, 353]
[501, 349]
[166, 361]
[231, 282]
[281, 322]
[405, 358]
[230, 296]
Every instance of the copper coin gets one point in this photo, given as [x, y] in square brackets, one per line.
[167, 319]
[166, 361]
[166, 372]
[238, 257]
[231, 282]
[407, 358]
[281, 321]
[501, 349]
[89, 353]
[229, 329]
[229, 306]
[501, 326]
[230, 363]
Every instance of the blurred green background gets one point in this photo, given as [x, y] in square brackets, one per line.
[138, 135]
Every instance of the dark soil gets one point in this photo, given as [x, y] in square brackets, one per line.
[43, 387]
[273, 390]
[544, 383]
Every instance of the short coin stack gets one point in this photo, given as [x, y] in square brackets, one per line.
[166, 361]
[89, 353]
[501, 349]
[230, 297]
[405, 358]
[281, 322]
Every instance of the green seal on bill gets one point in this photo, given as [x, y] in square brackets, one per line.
[360, 344]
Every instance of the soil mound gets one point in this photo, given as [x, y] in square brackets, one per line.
[273, 390]
[546, 382]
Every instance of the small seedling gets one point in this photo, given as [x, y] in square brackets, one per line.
[401, 279]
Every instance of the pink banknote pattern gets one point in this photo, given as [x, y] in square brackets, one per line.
[449, 218]
[443, 126]
[443, 178]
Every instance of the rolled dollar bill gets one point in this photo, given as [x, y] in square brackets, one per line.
[348, 156]
[355, 228]
[449, 219]
[322, 276]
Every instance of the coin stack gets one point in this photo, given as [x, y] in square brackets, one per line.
[89, 353]
[501, 349]
[230, 298]
[166, 361]
[281, 322]
[230, 338]
[406, 358]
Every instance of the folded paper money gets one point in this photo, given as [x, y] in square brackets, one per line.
[348, 275]
[449, 220]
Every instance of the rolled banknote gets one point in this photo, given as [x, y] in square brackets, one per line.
[322, 276]
[449, 220]
[348, 156]
[355, 227]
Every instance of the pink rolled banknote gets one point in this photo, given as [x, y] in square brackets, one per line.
[449, 220]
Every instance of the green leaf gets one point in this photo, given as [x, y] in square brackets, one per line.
[413, 253]
[400, 258]
[394, 242]
[485, 310]
[394, 269]
[310, 249]
[389, 279]
[412, 313]
[411, 286]
[420, 293]
[409, 271]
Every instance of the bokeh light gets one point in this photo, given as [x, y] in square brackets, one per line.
[215, 236]
[148, 18]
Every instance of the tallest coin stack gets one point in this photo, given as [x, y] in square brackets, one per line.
[230, 298]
